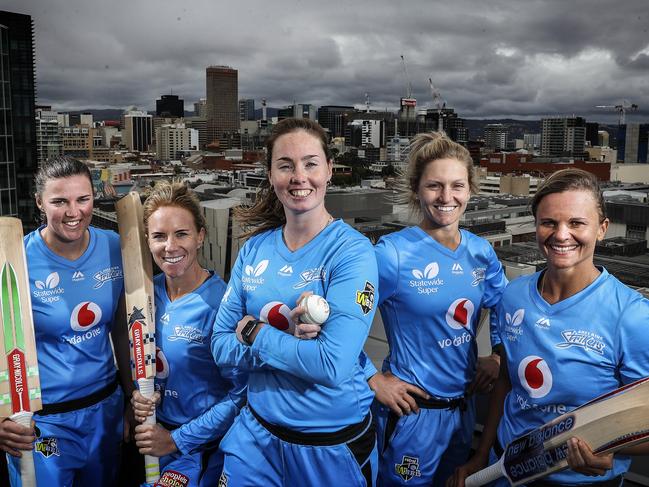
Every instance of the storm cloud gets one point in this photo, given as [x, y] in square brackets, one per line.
[501, 58]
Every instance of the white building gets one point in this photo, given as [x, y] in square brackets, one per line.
[172, 138]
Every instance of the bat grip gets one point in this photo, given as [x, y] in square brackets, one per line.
[151, 463]
[485, 475]
[27, 473]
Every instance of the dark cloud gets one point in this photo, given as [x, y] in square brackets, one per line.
[496, 58]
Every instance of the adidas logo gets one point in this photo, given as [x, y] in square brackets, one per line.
[543, 323]
[457, 269]
[78, 276]
[287, 270]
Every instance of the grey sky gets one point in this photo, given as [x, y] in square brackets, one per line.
[489, 58]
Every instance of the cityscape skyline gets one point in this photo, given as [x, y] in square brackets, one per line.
[517, 60]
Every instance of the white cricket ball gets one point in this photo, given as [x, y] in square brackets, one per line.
[316, 309]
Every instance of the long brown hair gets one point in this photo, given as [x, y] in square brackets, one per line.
[267, 212]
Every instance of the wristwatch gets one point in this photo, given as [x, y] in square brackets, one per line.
[248, 329]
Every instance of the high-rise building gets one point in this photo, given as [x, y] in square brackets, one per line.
[333, 118]
[48, 136]
[138, 130]
[495, 136]
[246, 109]
[170, 106]
[299, 110]
[173, 138]
[633, 143]
[223, 106]
[563, 137]
[200, 108]
[18, 157]
[531, 141]
[592, 129]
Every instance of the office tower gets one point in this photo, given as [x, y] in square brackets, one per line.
[333, 118]
[172, 139]
[170, 106]
[18, 158]
[138, 130]
[48, 137]
[531, 141]
[495, 136]
[563, 137]
[246, 109]
[632, 143]
[223, 106]
[592, 129]
[200, 108]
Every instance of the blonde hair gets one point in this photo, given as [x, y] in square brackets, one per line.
[426, 148]
[168, 193]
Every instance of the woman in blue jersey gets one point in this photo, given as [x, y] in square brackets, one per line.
[434, 279]
[76, 285]
[307, 421]
[570, 333]
[197, 401]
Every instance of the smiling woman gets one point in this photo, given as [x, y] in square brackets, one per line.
[571, 321]
[198, 400]
[307, 420]
[77, 289]
[431, 320]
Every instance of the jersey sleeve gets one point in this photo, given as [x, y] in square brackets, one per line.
[333, 356]
[226, 348]
[368, 367]
[387, 260]
[634, 341]
[495, 283]
[215, 422]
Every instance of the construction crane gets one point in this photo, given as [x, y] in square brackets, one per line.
[438, 102]
[408, 104]
[624, 107]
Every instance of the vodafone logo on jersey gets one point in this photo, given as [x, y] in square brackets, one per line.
[85, 315]
[161, 364]
[278, 315]
[459, 314]
[535, 376]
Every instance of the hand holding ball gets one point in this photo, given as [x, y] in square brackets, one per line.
[316, 309]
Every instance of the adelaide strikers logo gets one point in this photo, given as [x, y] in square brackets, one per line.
[535, 376]
[278, 315]
[459, 314]
[161, 364]
[84, 316]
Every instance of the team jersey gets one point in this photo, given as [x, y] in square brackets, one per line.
[562, 355]
[74, 304]
[304, 385]
[195, 393]
[430, 303]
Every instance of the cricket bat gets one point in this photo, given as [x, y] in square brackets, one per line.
[20, 389]
[138, 285]
[608, 423]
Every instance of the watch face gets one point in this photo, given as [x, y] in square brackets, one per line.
[248, 330]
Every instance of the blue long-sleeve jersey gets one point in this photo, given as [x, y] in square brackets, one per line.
[305, 385]
[431, 298]
[196, 394]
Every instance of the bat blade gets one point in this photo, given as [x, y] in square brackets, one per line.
[138, 286]
[20, 391]
[608, 423]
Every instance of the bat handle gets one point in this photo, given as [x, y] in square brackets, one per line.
[151, 463]
[486, 475]
[27, 473]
